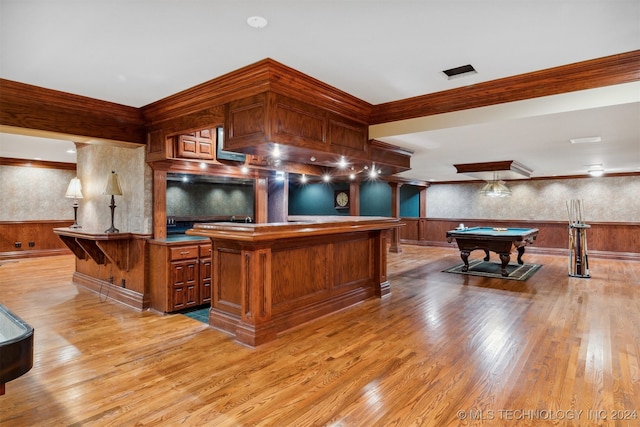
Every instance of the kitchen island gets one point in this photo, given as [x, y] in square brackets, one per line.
[271, 277]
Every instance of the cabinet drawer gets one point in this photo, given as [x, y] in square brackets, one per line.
[205, 251]
[184, 252]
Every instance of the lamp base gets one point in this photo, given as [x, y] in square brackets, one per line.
[112, 229]
[75, 215]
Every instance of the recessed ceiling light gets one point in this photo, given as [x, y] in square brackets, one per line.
[257, 22]
[71, 151]
[586, 140]
[464, 70]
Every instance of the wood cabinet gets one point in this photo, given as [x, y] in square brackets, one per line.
[197, 145]
[254, 123]
[179, 275]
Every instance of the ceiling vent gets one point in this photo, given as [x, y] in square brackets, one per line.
[465, 70]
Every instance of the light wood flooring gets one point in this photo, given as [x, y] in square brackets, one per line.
[442, 349]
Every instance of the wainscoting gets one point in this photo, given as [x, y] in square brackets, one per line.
[36, 238]
[611, 240]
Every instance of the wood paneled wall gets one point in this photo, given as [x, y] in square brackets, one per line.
[616, 240]
[40, 233]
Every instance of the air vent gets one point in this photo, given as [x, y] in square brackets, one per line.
[465, 70]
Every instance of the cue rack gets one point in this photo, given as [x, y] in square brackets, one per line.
[578, 256]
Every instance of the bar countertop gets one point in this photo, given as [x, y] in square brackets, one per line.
[177, 239]
[298, 226]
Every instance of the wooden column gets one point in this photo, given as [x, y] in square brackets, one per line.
[422, 224]
[255, 326]
[395, 212]
[159, 204]
[354, 197]
[261, 200]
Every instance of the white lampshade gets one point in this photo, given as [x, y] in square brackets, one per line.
[113, 186]
[74, 190]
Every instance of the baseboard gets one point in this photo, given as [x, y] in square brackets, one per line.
[108, 290]
[254, 335]
[34, 253]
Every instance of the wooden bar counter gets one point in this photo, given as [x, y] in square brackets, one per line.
[113, 263]
[271, 277]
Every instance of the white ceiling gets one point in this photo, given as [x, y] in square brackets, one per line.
[137, 52]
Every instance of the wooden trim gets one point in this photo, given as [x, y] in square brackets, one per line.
[62, 222]
[505, 165]
[543, 178]
[32, 107]
[606, 71]
[592, 223]
[7, 161]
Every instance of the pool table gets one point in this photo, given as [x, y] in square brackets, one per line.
[499, 240]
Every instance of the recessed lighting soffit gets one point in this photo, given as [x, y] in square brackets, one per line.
[490, 171]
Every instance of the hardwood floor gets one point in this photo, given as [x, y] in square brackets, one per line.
[441, 349]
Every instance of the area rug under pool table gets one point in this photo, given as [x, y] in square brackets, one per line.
[478, 267]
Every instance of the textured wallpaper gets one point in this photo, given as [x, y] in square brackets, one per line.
[606, 199]
[207, 199]
[133, 211]
[30, 194]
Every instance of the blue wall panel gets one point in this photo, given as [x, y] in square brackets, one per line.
[314, 199]
[375, 198]
[409, 201]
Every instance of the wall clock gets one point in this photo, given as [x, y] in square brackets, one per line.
[341, 199]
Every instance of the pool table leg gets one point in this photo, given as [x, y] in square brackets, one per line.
[465, 258]
[505, 261]
[520, 253]
[486, 255]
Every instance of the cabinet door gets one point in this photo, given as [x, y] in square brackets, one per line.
[184, 284]
[197, 145]
[205, 144]
[205, 280]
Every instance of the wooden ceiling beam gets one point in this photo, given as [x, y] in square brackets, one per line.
[600, 72]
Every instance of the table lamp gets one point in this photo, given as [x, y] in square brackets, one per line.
[112, 189]
[74, 191]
